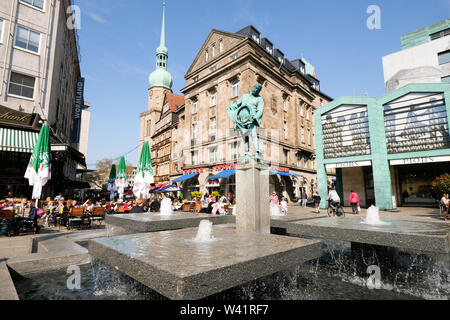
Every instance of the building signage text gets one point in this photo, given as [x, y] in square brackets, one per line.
[77, 110]
[351, 164]
[279, 169]
[197, 170]
[10, 115]
[420, 160]
[225, 166]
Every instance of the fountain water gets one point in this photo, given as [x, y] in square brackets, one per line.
[166, 207]
[373, 217]
[204, 233]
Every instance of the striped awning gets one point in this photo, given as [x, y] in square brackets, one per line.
[14, 140]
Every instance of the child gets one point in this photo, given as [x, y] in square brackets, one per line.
[284, 209]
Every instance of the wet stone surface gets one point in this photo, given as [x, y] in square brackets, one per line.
[176, 266]
[420, 236]
[136, 223]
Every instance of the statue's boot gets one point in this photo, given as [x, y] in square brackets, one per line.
[258, 157]
[246, 158]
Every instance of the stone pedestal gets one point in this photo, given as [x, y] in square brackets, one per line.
[252, 198]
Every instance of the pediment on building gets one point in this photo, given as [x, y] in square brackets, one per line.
[230, 40]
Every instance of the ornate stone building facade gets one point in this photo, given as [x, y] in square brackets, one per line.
[227, 66]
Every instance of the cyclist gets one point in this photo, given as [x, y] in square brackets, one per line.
[334, 199]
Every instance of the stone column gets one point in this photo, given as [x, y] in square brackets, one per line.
[252, 198]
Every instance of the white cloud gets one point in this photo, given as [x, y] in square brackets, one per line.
[97, 18]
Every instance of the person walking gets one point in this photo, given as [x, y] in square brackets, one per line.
[284, 208]
[354, 201]
[274, 204]
[316, 199]
[304, 199]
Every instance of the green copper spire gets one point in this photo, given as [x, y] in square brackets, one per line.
[160, 77]
[162, 44]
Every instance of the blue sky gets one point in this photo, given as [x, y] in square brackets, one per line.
[118, 40]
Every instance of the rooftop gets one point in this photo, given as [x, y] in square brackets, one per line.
[175, 101]
[300, 66]
[426, 34]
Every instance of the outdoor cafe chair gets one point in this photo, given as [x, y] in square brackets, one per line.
[7, 222]
[98, 214]
[77, 218]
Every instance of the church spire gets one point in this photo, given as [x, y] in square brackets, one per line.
[163, 28]
[162, 52]
[160, 77]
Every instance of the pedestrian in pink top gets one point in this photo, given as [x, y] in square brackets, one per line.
[354, 201]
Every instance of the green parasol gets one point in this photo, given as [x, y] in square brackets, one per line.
[121, 178]
[39, 170]
[144, 173]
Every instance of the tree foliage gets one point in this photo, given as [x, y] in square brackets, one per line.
[98, 179]
[441, 184]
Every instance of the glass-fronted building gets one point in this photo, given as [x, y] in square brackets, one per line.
[388, 150]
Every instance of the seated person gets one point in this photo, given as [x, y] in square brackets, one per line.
[88, 207]
[33, 216]
[110, 207]
[208, 209]
[59, 211]
[48, 212]
[9, 204]
[138, 207]
[118, 205]
[127, 206]
[155, 206]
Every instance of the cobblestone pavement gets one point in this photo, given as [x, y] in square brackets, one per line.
[405, 213]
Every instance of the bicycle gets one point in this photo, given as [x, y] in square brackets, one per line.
[337, 210]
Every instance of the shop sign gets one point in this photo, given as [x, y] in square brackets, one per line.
[225, 166]
[419, 160]
[280, 169]
[352, 164]
[77, 110]
[197, 170]
[13, 116]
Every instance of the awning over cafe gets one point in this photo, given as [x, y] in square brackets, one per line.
[14, 140]
[287, 174]
[185, 177]
[225, 174]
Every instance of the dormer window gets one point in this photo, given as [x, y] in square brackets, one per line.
[269, 49]
[255, 38]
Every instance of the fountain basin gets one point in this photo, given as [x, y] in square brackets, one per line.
[177, 267]
[417, 236]
[139, 223]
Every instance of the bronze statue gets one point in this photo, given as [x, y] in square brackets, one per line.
[247, 115]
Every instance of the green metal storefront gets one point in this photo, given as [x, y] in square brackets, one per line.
[412, 139]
